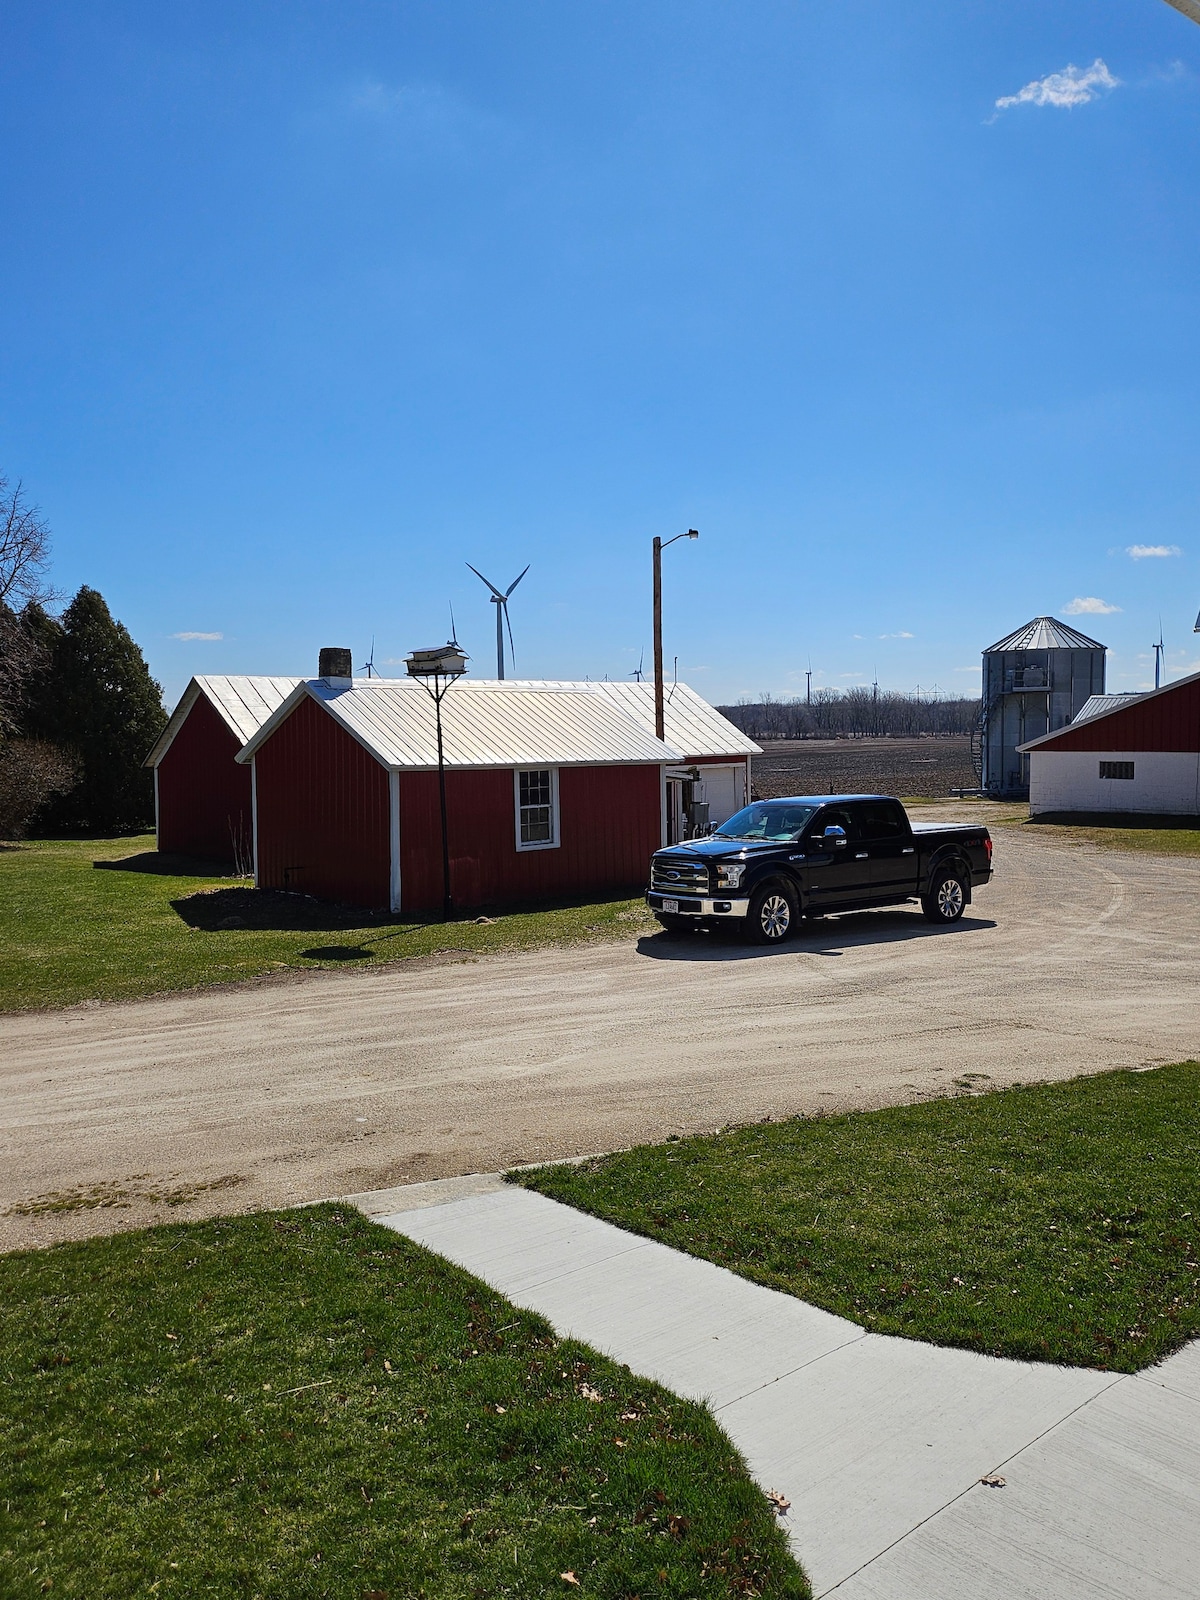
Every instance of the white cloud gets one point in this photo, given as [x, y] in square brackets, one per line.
[1089, 605]
[975, 668]
[1073, 86]
[1139, 552]
[190, 636]
[901, 635]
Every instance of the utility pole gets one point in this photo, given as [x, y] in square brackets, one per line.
[659, 547]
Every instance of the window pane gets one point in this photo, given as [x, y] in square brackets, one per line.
[535, 825]
[535, 788]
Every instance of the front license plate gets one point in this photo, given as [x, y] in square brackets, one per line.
[670, 905]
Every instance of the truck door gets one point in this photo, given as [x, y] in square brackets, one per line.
[838, 871]
[891, 850]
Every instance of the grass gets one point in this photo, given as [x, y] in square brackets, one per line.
[304, 1404]
[1059, 1222]
[1151, 838]
[72, 928]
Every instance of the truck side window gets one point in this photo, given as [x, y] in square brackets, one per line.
[836, 818]
[881, 821]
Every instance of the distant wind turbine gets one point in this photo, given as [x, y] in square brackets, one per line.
[500, 601]
[368, 665]
[1158, 657]
[637, 674]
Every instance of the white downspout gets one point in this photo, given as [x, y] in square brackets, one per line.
[394, 831]
[662, 808]
[254, 813]
[157, 828]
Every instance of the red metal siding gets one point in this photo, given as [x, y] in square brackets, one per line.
[203, 795]
[1169, 721]
[322, 812]
[608, 830]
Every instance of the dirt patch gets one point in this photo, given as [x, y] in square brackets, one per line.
[113, 1195]
[929, 767]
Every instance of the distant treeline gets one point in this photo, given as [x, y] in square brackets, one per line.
[858, 713]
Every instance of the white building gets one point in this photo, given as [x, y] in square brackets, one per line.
[1135, 753]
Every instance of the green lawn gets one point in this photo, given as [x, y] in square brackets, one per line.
[304, 1404]
[1059, 1222]
[76, 925]
[1147, 840]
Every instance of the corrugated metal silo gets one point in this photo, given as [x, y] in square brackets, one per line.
[1034, 681]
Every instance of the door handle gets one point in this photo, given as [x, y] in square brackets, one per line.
[909, 849]
[861, 856]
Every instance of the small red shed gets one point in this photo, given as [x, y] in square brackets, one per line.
[1135, 753]
[552, 789]
[202, 795]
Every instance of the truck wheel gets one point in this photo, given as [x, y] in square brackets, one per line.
[947, 897]
[772, 914]
[673, 924]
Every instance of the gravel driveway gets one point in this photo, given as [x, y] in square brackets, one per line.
[1072, 960]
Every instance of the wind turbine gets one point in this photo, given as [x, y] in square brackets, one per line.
[500, 601]
[1158, 657]
[637, 674]
[368, 665]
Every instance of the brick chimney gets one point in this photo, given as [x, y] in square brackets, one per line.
[336, 667]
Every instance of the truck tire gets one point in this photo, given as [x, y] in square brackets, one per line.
[947, 897]
[675, 925]
[773, 914]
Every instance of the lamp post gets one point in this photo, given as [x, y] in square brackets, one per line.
[659, 547]
[444, 665]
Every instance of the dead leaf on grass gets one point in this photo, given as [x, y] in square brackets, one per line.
[588, 1393]
[569, 1577]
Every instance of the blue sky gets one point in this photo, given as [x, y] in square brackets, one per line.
[304, 306]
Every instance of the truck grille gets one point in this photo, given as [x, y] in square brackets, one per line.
[679, 877]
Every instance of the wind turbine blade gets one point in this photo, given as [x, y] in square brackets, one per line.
[515, 581]
[512, 649]
[495, 592]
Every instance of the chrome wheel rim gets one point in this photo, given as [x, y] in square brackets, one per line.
[775, 916]
[950, 898]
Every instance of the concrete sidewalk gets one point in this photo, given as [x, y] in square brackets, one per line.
[879, 1443]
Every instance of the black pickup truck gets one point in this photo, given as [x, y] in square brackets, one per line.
[779, 860]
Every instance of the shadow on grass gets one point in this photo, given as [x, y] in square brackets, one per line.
[166, 866]
[214, 910]
[828, 936]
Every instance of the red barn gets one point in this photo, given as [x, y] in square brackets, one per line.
[552, 789]
[1135, 753]
[202, 794]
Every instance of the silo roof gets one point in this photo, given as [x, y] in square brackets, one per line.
[1045, 633]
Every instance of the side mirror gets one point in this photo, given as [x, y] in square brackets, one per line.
[835, 837]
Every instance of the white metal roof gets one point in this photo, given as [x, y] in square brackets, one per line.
[485, 723]
[242, 703]
[689, 723]
[1099, 705]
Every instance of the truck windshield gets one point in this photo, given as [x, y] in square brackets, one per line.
[780, 820]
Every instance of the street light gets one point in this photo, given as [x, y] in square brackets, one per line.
[445, 665]
[659, 547]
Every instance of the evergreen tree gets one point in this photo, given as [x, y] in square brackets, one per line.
[99, 702]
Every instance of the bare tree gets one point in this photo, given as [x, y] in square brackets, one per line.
[24, 549]
[30, 772]
[24, 559]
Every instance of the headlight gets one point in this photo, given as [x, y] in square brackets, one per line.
[729, 877]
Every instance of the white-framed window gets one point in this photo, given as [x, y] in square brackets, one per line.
[537, 808]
